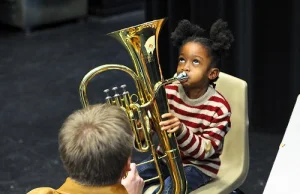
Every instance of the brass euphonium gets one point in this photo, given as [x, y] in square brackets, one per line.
[142, 44]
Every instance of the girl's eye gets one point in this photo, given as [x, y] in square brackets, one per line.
[181, 60]
[196, 62]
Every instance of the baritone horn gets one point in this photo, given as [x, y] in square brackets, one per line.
[141, 42]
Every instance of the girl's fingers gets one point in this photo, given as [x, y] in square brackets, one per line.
[173, 130]
[169, 122]
[171, 126]
[166, 115]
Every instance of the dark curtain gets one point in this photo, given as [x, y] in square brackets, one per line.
[265, 53]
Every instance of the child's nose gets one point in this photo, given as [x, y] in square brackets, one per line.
[186, 66]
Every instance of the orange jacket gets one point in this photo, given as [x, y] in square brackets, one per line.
[71, 187]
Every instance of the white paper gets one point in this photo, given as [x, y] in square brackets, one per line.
[285, 173]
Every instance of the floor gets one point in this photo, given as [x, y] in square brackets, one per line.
[39, 78]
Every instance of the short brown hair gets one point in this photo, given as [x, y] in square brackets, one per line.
[95, 144]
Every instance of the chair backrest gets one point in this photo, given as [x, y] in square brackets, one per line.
[236, 145]
[235, 156]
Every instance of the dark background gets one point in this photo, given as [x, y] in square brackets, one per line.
[265, 52]
[41, 68]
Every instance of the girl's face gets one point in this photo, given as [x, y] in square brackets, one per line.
[194, 60]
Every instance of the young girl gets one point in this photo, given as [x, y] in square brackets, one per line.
[199, 115]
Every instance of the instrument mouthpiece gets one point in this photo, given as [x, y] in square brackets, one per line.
[182, 76]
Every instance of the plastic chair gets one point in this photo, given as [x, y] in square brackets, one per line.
[235, 156]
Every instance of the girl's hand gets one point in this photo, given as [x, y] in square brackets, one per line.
[172, 124]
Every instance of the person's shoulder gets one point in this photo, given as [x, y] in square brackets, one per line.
[43, 190]
[220, 101]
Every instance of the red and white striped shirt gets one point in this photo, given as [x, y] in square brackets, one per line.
[206, 120]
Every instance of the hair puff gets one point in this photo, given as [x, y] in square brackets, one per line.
[221, 37]
[184, 30]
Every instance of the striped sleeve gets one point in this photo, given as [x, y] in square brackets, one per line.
[204, 145]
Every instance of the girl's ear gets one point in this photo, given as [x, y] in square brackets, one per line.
[213, 73]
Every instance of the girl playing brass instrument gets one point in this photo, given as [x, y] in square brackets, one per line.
[199, 115]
